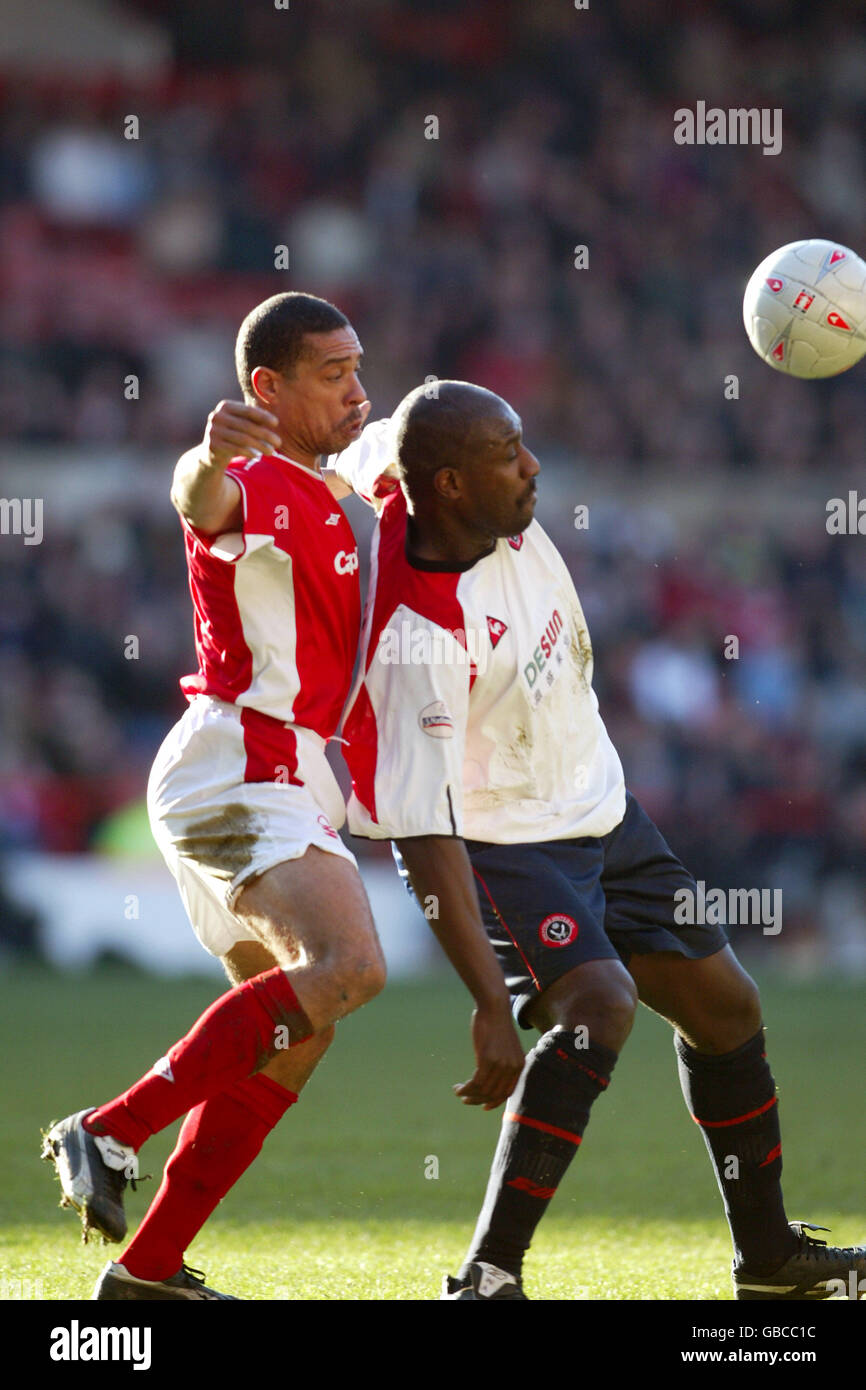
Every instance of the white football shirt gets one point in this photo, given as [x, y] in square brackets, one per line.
[473, 713]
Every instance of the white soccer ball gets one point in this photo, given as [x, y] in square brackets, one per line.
[805, 309]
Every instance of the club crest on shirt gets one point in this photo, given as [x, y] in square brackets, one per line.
[497, 628]
[558, 930]
[435, 719]
[515, 542]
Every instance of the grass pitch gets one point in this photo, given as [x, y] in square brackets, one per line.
[343, 1204]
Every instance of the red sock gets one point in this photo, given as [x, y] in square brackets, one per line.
[217, 1143]
[235, 1037]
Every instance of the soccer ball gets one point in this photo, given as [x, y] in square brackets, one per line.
[805, 309]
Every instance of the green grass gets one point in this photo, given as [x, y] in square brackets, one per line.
[338, 1207]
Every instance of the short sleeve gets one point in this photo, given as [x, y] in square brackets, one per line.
[369, 465]
[266, 510]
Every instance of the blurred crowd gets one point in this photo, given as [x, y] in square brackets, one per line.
[308, 129]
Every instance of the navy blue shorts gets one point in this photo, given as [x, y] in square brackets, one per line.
[550, 906]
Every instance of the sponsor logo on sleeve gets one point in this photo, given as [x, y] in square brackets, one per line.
[558, 930]
[435, 719]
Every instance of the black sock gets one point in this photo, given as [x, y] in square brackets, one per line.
[543, 1125]
[733, 1098]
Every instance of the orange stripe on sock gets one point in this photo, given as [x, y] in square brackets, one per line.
[548, 1129]
[740, 1119]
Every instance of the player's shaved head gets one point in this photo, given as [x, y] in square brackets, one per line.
[464, 469]
[446, 424]
[273, 334]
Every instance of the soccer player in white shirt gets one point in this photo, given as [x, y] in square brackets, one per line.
[476, 744]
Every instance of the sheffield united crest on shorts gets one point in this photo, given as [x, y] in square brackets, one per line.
[558, 930]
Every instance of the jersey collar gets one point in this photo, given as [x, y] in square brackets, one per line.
[443, 566]
[284, 458]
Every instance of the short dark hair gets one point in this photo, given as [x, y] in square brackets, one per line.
[272, 335]
[432, 426]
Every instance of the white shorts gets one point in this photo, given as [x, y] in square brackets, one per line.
[216, 831]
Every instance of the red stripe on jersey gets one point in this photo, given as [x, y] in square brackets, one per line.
[363, 740]
[327, 594]
[431, 593]
[271, 749]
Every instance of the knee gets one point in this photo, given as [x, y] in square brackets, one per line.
[368, 978]
[604, 1004]
[359, 973]
[729, 1020]
[615, 1008]
[745, 1013]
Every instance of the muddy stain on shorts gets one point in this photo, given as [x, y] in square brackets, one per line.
[224, 843]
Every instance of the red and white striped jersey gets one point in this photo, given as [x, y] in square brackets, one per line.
[277, 607]
[474, 712]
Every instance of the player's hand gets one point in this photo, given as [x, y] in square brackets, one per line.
[499, 1058]
[235, 430]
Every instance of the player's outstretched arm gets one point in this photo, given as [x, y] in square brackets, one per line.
[367, 467]
[441, 875]
[201, 491]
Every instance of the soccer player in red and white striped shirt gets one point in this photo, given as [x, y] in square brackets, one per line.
[246, 809]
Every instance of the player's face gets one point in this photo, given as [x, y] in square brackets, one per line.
[322, 406]
[498, 483]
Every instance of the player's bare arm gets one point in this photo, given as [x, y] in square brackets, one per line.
[201, 491]
[368, 467]
[439, 870]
